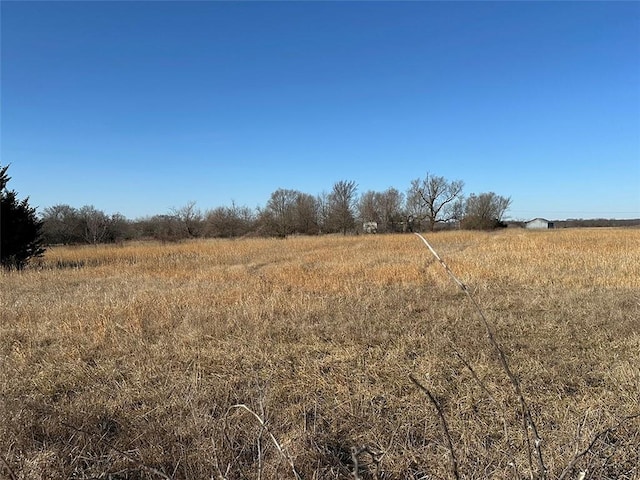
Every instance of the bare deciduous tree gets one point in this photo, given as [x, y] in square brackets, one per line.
[306, 214]
[369, 207]
[190, 217]
[67, 225]
[94, 224]
[226, 222]
[120, 228]
[61, 225]
[485, 211]
[322, 202]
[166, 228]
[391, 209]
[342, 203]
[279, 214]
[433, 199]
[384, 208]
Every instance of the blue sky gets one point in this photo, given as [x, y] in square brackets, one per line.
[138, 107]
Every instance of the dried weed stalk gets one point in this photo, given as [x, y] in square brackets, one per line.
[262, 423]
[12, 475]
[569, 468]
[443, 424]
[528, 423]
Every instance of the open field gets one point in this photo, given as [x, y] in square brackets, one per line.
[126, 362]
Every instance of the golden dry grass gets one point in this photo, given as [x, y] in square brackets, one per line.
[126, 360]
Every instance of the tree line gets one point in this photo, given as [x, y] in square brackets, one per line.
[432, 202]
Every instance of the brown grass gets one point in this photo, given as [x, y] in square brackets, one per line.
[127, 360]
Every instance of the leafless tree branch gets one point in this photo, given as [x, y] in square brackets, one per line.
[527, 419]
[443, 424]
[273, 438]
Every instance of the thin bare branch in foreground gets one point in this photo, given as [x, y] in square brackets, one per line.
[600, 434]
[527, 418]
[12, 475]
[273, 438]
[485, 389]
[443, 424]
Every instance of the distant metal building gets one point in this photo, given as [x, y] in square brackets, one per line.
[538, 224]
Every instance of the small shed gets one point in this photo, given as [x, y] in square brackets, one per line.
[538, 224]
[370, 227]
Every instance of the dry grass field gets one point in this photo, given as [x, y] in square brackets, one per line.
[131, 361]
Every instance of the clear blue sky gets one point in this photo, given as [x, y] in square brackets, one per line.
[137, 107]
